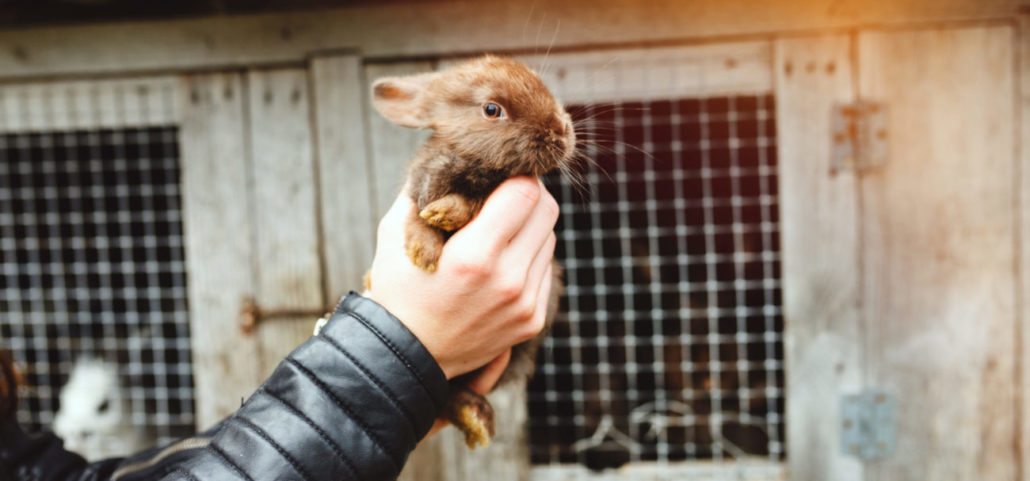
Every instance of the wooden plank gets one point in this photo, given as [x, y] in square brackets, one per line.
[217, 233]
[938, 247]
[1023, 166]
[286, 247]
[348, 222]
[656, 73]
[392, 146]
[88, 104]
[424, 29]
[819, 222]
[752, 470]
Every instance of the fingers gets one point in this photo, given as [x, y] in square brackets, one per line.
[528, 241]
[543, 299]
[504, 213]
[486, 380]
[540, 271]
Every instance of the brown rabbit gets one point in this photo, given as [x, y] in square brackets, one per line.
[492, 118]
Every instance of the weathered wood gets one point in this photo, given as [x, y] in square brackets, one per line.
[938, 245]
[433, 28]
[392, 146]
[89, 104]
[217, 230]
[348, 220]
[656, 73]
[819, 248]
[287, 259]
[752, 470]
[1022, 249]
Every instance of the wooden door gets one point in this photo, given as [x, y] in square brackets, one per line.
[277, 218]
[938, 249]
[902, 277]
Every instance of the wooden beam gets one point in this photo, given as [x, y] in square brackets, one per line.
[286, 247]
[343, 157]
[819, 222]
[217, 239]
[1022, 249]
[436, 28]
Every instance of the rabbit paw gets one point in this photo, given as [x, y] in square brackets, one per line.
[423, 245]
[450, 212]
[423, 256]
[473, 415]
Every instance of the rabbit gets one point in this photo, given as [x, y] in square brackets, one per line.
[94, 415]
[492, 118]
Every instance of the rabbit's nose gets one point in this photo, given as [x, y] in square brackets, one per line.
[557, 126]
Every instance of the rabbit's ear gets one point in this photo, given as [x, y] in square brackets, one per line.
[400, 99]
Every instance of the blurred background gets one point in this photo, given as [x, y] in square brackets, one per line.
[798, 252]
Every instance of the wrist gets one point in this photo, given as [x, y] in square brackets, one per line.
[419, 330]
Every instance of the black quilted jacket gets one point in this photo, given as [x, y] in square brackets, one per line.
[350, 403]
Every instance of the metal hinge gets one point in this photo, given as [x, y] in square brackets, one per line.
[867, 425]
[859, 136]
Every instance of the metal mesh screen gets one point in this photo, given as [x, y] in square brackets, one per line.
[92, 256]
[670, 347]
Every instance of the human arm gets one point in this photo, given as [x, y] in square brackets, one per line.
[482, 299]
[351, 402]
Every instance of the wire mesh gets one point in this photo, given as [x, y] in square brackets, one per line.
[670, 345]
[92, 265]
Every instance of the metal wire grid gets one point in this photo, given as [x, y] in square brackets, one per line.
[92, 264]
[670, 346]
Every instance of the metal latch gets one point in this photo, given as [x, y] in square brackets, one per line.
[867, 424]
[251, 314]
[859, 136]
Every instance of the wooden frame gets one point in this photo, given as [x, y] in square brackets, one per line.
[1022, 217]
[820, 248]
[413, 29]
[89, 104]
[834, 315]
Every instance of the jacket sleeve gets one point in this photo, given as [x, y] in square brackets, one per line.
[42, 457]
[350, 403]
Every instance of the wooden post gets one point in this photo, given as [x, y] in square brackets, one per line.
[285, 229]
[819, 222]
[217, 227]
[343, 158]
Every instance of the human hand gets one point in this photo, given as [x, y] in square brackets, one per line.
[492, 283]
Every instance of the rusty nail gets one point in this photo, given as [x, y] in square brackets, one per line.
[248, 316]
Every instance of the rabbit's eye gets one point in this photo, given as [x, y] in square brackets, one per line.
[104, 406]
[493, 111]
